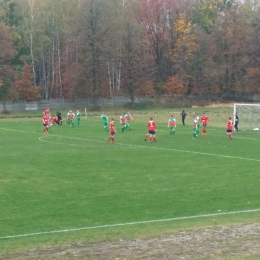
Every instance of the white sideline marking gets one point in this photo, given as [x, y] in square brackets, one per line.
[224, 132]
[131, 223]
[179, 133]
[157, 148]
[187, 151]
[81, 145]
[14, 130]
[11, 154]
[141, 146]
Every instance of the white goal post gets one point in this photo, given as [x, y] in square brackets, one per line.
[249, 116]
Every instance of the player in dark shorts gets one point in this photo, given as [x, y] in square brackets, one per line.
[59, 118]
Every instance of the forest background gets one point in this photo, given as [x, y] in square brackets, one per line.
[69, 49]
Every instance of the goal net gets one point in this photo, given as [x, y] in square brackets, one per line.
[249, 116]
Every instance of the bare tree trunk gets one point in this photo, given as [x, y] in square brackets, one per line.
[109, 79]
[118, 76]
[30, 29]
[93, 56]
[59, 66]
[52, 67]
[44, 78]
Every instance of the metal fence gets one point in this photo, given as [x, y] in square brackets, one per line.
[58, 104]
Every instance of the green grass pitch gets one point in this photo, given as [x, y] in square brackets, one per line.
[73, 182]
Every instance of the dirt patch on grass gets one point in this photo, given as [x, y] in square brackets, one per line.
[225, 242]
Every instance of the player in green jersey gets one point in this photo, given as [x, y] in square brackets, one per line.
[70, 117]
[122, 122]
[172, 125]
[128, 117]
[78, 118]
[104, 121]
[194, 129]
[198, 123]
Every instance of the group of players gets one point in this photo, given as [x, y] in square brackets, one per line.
[152, 127]
[204, 120]
[49, 120]
[125, 119]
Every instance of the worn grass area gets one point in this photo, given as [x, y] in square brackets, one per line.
[72, 180]
[234, 242]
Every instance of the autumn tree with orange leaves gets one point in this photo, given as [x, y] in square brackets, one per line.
[146, 89]
[25, 85]
[175, 85]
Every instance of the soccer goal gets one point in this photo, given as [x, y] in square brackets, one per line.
[249, 116]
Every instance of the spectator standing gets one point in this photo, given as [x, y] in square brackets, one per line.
[183, 115]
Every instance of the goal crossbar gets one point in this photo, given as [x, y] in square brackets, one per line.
[249, 114]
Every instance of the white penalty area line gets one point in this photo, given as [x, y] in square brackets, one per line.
[130, 223]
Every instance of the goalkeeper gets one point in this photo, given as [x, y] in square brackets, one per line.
[236, 123]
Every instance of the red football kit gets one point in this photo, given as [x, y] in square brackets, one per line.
[229, 128]
[204, 120]
[229, 125]
[45, 120]
[151, 125]
[112, 127]
[112, 131]
[122, 119]
[55, 120]
[172, 123]
[47, 112]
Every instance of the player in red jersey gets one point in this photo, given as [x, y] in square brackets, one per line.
[151, 130]
[204, 121]
[229, 128]
[47, 112]
[45, 121]
[54, 120]
[112, 131]
[147, 135]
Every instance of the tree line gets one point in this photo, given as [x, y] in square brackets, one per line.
[91, 48]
